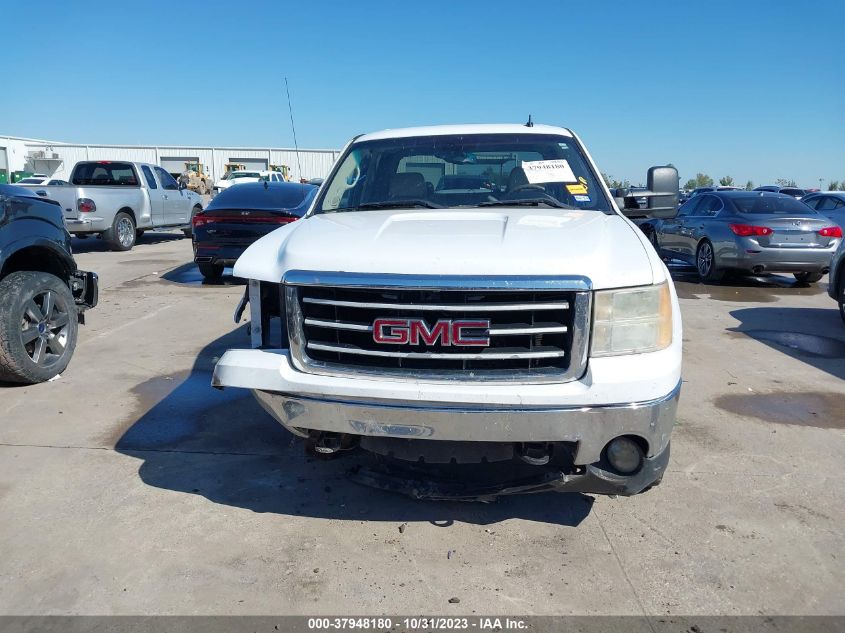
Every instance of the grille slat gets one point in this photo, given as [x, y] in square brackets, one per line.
[482, 355]
[460, 307]
[531, 331]
[501, 330]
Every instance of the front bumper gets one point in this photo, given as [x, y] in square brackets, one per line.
[591, 428]
[589, 412]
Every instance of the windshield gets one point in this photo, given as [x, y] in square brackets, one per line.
[30, 181]
[245, 174]
[767, 204]
[473, 170]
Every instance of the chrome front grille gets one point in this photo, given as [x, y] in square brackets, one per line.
[536, 329]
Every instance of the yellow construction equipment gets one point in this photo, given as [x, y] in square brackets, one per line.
[284, 169]
[195, 178]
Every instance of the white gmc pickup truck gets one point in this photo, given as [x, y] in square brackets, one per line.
[470, 295]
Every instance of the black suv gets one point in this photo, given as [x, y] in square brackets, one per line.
[42, 293]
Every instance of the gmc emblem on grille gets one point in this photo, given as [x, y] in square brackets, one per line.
[445, 332]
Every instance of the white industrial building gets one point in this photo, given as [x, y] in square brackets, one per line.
[57, 159]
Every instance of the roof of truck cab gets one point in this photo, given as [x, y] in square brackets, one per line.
[485, 128]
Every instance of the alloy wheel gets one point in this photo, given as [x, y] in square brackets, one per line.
[44, 328]
[704, 261]
[125, 232]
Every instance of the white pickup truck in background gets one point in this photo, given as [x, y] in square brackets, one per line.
[118, 201]
[469, 295]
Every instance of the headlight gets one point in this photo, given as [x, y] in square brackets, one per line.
[632, 320]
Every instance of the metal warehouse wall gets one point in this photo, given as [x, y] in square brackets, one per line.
[315, 163]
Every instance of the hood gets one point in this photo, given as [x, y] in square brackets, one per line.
[605, 248]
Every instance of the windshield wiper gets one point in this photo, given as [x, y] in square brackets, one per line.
[399, 204]
[551, 202]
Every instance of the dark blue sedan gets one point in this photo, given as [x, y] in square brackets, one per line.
[240, 215]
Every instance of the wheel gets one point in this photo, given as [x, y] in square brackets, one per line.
[189, 232]
[808, 278]
[121, 235]
[212, 272]
[38, 327]
[841, 294]
[139, 233]
[705, 262]
[652, 237]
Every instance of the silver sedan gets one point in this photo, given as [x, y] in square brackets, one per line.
[749, 231]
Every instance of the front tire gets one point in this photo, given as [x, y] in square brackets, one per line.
[38, 327]
[808, 278]
[211, 272]
[705, 262]
[122, 234]
[652, 237]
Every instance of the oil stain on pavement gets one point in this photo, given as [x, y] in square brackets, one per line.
[819, 409]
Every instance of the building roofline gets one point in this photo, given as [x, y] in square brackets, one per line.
[176, 147]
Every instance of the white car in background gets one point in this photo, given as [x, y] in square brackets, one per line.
[39, 179]
[245, 176]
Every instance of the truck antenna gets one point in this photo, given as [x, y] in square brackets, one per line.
[293, 129]
[530, 122]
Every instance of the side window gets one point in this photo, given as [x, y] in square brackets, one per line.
[167, 181]
[828, 204]
[714, 205]
[708, 207]
[814, 202]
[689, 207]
[148, 176]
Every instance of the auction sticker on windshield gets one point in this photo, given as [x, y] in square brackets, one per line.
[538, 171]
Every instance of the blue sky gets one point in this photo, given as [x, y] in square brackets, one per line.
[755, 90]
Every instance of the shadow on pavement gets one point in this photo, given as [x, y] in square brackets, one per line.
[96, 245]
[220, 444]
[189, 275]
[812, 335]
[767, 288]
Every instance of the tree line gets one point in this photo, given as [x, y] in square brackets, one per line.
[703, 180]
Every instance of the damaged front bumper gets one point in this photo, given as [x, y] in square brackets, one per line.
[592, 479]
[85, 288]
[580, 415]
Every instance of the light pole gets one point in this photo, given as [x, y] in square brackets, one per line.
[821, 180]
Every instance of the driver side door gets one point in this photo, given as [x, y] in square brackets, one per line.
[156, 195]
[671, 235]
[176, 204]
